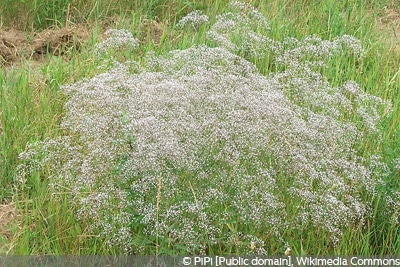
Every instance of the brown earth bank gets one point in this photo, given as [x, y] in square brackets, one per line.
[16, 45]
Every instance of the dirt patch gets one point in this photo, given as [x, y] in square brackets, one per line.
[15, 45]
[12, 43]
[391, 16]
[153, 30]
[9, 219]
[390, 25]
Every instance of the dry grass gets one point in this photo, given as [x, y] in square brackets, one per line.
[9, 220]
[389, 25]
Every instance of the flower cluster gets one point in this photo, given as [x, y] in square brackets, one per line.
[312, 51]
[396, 163]
[194, 19]
[241, 32]
[393, 202]
[116, 39]
[198, 140]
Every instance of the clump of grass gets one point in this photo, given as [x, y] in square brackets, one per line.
[35, 14]
[41, 14]
[239, 153]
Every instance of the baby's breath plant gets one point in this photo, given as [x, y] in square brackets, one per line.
[199, 150]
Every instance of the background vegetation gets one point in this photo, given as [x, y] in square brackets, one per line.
[32, 105]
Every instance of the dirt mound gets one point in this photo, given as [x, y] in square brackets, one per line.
[15, 44]
[12, 42]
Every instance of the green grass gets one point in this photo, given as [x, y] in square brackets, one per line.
[32, 107]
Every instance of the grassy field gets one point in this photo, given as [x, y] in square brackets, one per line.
[241, 129]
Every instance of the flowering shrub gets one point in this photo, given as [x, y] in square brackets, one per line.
[197, 145]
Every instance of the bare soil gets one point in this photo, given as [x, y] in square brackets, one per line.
[16, 45]
[389, 24]
[154, 32]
